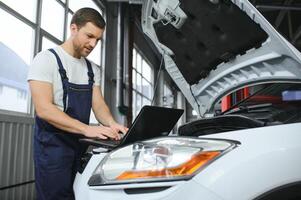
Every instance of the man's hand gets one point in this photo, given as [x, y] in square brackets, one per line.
[101, 132]
[119, 128]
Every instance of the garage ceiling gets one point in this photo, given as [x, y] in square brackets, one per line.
[285, 16]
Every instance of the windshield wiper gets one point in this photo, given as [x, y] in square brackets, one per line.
[236, 105]
[245, 108]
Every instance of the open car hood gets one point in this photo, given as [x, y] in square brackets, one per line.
[214, 47]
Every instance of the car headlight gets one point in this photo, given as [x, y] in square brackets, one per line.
[162, 159]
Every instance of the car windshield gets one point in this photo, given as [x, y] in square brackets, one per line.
[276, 101]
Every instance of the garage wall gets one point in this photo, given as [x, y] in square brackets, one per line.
[112, 54]
[16, 158]
[146, 46]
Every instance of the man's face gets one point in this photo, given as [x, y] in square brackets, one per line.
[85, 38]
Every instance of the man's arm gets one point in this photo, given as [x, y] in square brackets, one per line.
[43, 101]
[102, 111]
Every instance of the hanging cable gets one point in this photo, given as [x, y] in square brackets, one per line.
[157, 80]
[199, 109]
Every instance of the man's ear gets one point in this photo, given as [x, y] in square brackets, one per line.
[73, 29]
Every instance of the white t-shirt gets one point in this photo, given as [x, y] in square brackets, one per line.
[45, 68]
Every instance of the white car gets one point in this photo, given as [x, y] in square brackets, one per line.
[251, 151]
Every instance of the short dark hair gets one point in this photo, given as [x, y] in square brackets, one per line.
[85, 15]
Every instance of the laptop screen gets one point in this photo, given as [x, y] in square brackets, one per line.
[151, 122]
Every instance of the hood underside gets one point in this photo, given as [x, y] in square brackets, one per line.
[207, 38]
[214, 47]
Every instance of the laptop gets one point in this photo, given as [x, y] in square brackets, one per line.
[151, 122]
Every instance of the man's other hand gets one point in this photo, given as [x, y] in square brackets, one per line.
[102, 132]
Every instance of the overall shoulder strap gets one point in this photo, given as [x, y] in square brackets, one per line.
[90, 72]
[63, 75]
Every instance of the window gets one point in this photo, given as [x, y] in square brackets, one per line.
[47, 44]
[16, 54]
[68, 24]
[55, 27]
[95, 55]
[22, 95]
[142, 82]
[18, 41]
[168, 98]
[76, 4]
[26, 8]
[18, 38]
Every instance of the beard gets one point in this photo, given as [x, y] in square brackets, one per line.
[82, 50]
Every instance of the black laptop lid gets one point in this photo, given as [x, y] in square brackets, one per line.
[152, 121]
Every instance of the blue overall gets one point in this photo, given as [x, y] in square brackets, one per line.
[56, 152]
